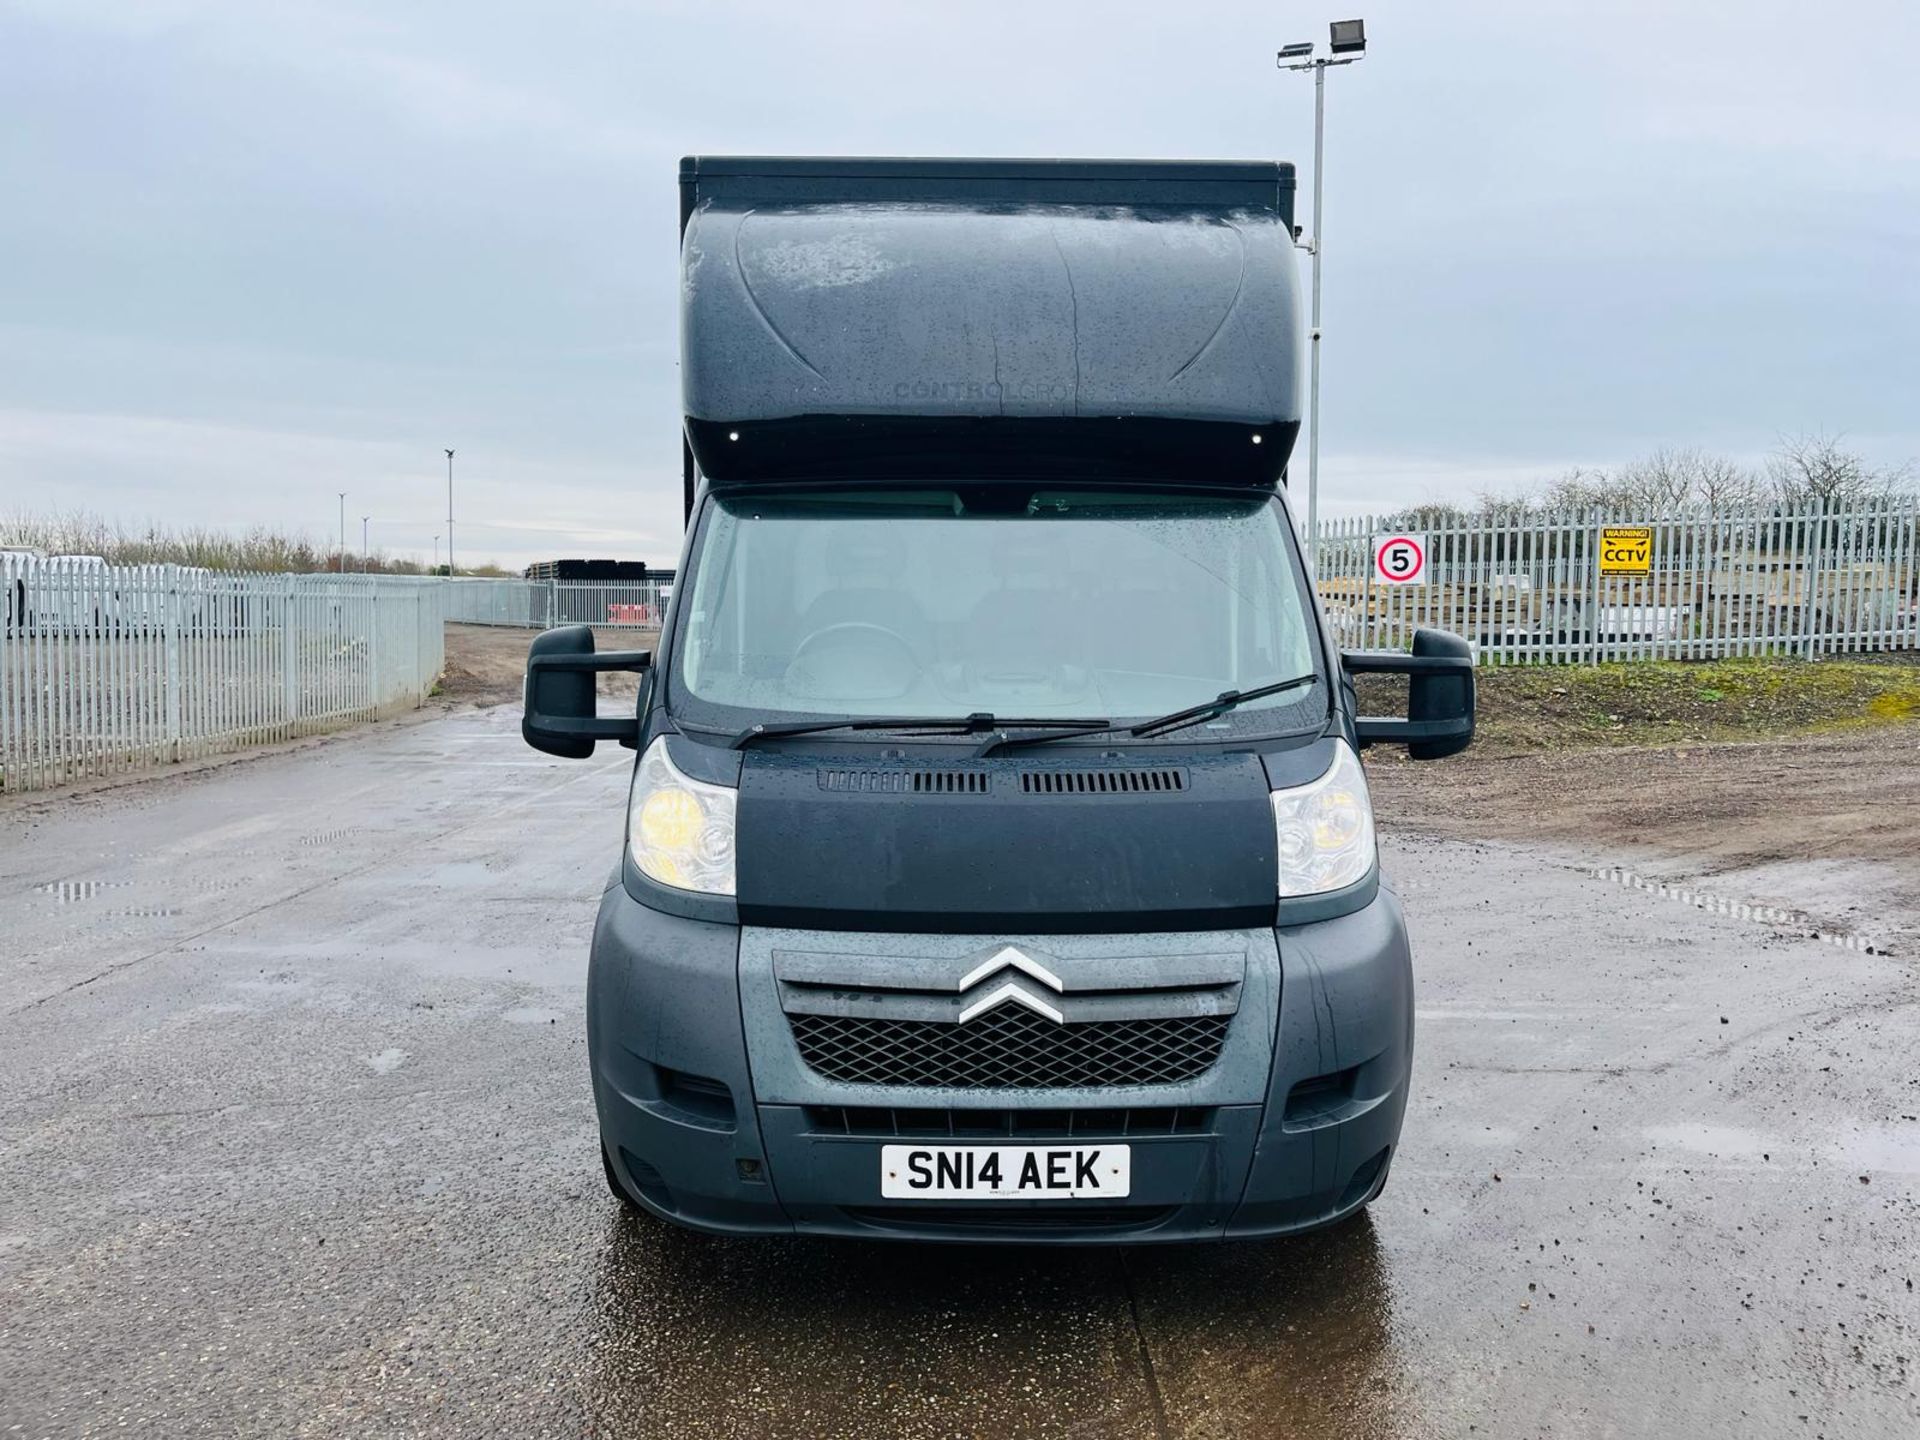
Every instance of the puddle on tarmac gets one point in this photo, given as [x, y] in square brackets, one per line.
[1293, 1337]
[1735, 909]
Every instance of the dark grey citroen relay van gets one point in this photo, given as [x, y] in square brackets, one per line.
[999, 863]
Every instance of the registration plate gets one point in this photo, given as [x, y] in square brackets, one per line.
[1005, 1172]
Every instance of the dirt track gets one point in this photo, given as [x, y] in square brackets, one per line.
[485, 663]
[1825, 826]
[1826, 797]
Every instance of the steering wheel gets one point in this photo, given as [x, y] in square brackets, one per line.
[832, 647]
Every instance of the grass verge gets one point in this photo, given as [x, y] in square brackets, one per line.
[1555, 707]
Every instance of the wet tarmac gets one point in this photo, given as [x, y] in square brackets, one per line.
[295, 1139]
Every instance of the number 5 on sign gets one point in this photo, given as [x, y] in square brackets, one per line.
[1400, 559]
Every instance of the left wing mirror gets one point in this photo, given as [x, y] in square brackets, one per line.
[562, 716]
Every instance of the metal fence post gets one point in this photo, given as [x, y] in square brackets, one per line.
[1593, 587]
[1810, 605]
[170, 602]
[373, 643]
[289, 663]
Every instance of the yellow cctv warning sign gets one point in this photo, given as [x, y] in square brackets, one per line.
[1626, 549]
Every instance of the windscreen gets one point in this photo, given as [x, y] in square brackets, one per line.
[1022, 602]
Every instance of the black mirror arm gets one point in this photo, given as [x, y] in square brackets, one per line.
[610, 661]
[598, 727]
[1388, 730]
[1393, 662]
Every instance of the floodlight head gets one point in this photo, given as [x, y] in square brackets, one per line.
[1347, 37]
[1298, 51]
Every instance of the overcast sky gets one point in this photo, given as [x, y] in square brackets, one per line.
[255, 252]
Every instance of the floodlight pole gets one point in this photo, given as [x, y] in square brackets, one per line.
[449, 514]
[1313, 334]
[1313, 248]
[341, 566]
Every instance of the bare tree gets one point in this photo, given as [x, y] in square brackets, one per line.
[1671, 479]
[1659, 482]
[1721, 484]
[80, 532]
[1491, 507]
[1663, 481]
[1430, 515]
[1806, 472]
[1815, 472]
[1578, 489]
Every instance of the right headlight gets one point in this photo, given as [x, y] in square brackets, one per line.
[680, 830]
[1325, 829]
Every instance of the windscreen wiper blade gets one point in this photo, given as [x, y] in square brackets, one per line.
[1048, 730]
[977, 723]
[1219, 705]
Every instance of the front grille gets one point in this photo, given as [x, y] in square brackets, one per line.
[1009, 1048]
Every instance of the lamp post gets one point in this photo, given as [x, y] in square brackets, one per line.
[341, 565]
[1347, 40]
[363, 543]
[436, 554]
[449, 514]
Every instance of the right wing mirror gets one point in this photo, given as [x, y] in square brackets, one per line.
[1440, 699]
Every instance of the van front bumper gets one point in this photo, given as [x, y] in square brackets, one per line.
[1294, 1128]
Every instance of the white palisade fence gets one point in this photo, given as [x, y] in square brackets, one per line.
[523, 603]
[542, 604]
[106, 669]
[1532, 589]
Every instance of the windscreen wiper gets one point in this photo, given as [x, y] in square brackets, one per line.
[1049, 730]
[977, 723]
[1179, 719]
[1219, 705]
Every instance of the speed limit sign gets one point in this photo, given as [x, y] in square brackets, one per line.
[1400, 559]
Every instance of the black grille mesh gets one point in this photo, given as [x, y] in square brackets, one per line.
[1009, 1048]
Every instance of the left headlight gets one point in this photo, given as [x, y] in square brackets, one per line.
[1325, 829]
[680, 830]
